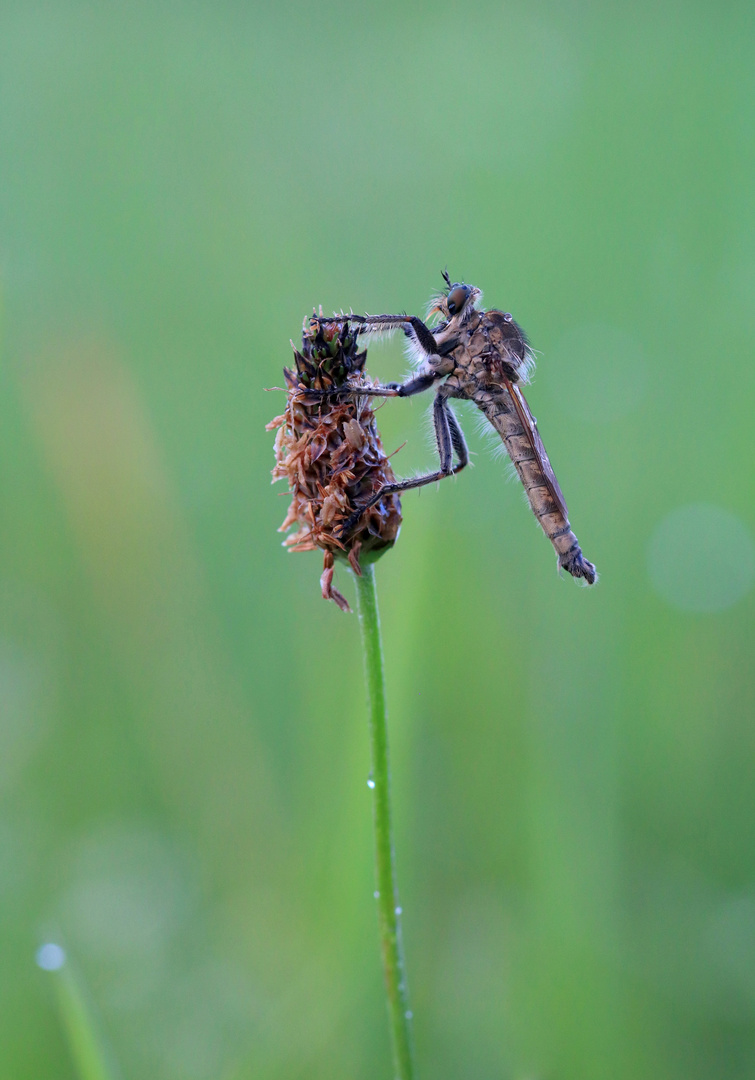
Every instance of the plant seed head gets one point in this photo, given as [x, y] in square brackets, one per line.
[328, 448]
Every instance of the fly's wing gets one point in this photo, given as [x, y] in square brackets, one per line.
[533, 435]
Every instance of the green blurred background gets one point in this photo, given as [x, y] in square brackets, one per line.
[183, 746]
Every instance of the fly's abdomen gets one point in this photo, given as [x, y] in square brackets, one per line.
[503, 415]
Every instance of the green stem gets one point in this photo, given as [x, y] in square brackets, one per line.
[88, 1051]
[387, 894]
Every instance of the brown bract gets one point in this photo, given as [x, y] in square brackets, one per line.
[329, 449]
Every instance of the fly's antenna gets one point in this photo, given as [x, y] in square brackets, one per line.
[446, 278]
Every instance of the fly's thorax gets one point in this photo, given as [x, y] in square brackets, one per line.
[455, 330]
[482, 381]
[482, 364]
[470, 371]
[462, 383]
[502, 347]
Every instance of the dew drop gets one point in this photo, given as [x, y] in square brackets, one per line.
[399, 910]
[376, 894]
[370, 782]
[50, 957]
[408, 1014]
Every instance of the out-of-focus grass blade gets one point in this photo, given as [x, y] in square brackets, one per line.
[88, 1051]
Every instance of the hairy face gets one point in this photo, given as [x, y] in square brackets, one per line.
[457, 303]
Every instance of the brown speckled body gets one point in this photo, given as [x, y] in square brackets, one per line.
[480, 356]
[488, 362]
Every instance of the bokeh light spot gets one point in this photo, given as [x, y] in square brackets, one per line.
[50, 957]
[701, 558]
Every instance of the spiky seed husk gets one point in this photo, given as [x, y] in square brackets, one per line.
[329, 450]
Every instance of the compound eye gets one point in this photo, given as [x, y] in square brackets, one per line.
[457, 298]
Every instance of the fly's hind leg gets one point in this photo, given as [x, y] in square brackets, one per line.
[449, 438]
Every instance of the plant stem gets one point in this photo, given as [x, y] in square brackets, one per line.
[387, 890]
[90, 1056]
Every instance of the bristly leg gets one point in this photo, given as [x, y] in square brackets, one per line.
[417, 385]
[420, 335]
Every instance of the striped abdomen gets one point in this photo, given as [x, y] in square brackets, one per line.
[531, 462]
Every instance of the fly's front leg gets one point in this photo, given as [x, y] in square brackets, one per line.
[416, 385]
[421, 337]
[449, 438]
[351, 391]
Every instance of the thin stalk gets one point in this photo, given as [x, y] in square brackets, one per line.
[90, 1056]
[389, 910]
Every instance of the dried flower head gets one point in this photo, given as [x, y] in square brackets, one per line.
[329, 450]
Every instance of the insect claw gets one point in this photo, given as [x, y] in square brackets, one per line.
[351, 522]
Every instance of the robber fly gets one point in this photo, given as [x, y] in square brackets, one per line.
[480, 356]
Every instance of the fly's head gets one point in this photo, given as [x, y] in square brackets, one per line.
[456, 303]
